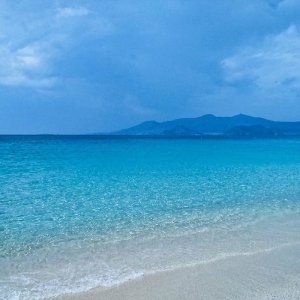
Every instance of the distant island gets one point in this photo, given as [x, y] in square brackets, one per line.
[238, 126]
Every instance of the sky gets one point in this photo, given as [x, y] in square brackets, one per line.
[74, 66]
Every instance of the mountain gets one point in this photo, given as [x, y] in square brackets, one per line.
[208, 125]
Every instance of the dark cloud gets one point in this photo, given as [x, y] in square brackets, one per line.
[103, 65]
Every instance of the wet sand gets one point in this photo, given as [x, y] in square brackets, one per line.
[271, 274]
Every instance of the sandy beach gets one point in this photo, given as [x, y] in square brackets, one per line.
[270, 274]
[149, 219]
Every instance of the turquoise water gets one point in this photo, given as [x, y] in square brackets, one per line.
[81, 212]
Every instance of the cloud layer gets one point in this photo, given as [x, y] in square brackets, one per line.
[275, 63]
[88, 66]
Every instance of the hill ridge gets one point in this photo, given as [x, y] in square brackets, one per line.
[238, 125]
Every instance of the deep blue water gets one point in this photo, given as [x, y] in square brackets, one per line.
[78, 212]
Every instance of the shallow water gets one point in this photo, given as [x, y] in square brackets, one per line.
[80, 212]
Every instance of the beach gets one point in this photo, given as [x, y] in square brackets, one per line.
[95, 218]
[268, 274]
[149, 150]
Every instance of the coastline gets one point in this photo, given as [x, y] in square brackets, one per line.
[270, 274]
[117, 219]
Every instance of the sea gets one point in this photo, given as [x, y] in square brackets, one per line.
[78, 212]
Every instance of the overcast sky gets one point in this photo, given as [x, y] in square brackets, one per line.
[91, 66]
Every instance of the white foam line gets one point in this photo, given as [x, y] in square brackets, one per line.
[224, 256]
[139, 275]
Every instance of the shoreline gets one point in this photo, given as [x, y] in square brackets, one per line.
[267, 274]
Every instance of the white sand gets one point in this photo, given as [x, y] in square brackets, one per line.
[273, 274]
